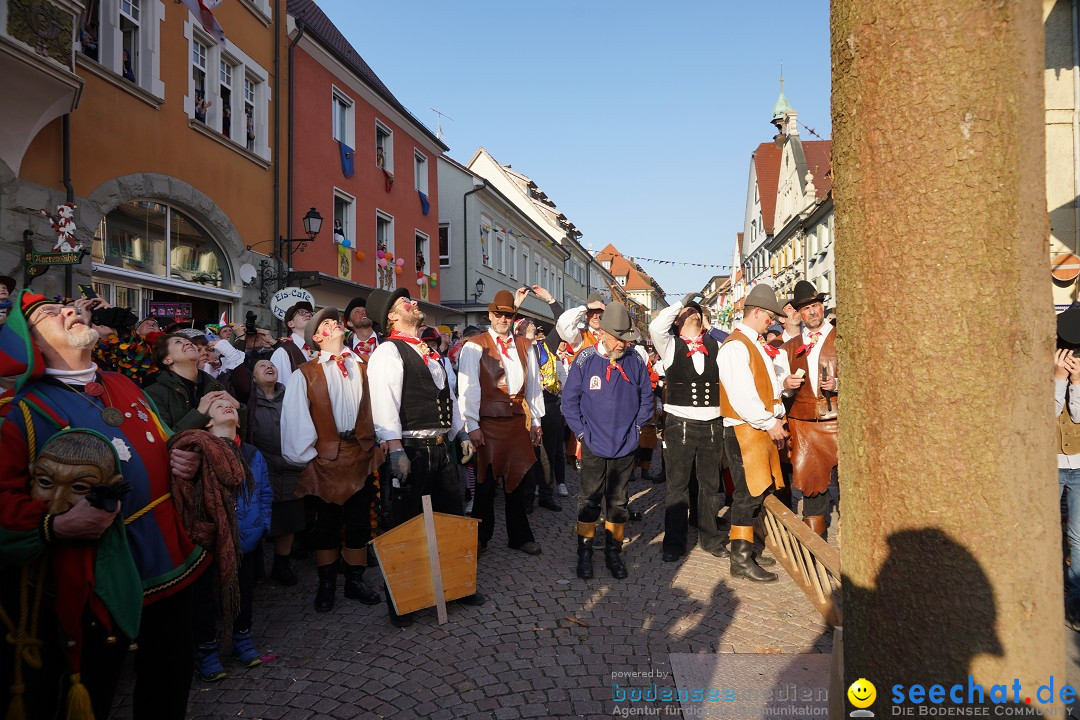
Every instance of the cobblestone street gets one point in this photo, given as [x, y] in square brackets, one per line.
[522, 654]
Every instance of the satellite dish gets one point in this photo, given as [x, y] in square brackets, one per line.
[247, 273]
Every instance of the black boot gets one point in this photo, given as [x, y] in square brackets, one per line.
[743, 565]
[324, 596]
[613, 555]
[283, 572]
[355, 589]
[584, 557]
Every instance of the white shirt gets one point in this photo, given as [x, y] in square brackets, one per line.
[448, 368]
[231, 358]
[354, 341]
[1064, 461]
[738, 382]
[664, 342]
[469, 382]
[783, 368]
[567, 326]
[298, 434]
[281, 360]
[385, 375]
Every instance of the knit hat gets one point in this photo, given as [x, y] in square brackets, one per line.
[19, 356]
[444, 329]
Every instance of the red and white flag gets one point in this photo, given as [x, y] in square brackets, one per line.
[224, 319]
[203, 9]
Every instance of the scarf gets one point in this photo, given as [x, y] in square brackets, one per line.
[426, 350]
[206, 506]
[696, 346]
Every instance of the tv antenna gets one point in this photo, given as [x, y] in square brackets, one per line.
[438, 123]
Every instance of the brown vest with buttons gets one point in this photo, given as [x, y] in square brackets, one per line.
[1068, 431]
[805, 403]
[322, 412]
[762, 377]
[495, 400]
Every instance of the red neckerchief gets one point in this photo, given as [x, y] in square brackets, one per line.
[769, 349]
[696, 346]
[504, 345]
[807, 347]
[426, 350]
[612, 365]
[366, 347]
[340, 360]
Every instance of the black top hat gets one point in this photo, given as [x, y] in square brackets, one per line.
[8, 282]
[806, 293]
[353, 304]
[379, 303]
[1068, 326]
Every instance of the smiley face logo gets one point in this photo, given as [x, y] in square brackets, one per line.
[862, 693]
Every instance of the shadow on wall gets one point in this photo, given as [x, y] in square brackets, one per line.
[938, 607]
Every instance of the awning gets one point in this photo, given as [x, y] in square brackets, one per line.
[332, 290]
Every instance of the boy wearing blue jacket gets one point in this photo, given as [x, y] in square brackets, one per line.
[606, 399]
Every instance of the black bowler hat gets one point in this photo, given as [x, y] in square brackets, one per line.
[1068, 325]
[806, 293]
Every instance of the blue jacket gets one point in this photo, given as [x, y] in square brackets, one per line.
[602, 408]
[253, 511]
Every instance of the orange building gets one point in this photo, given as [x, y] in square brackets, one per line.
[366, 164]
[172, 150]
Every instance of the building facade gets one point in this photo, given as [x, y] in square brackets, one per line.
[169, 156]
[640, 292]
[1062, 91]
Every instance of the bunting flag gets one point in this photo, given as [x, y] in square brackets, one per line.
[224, 319]
[638, 258]
[203, 9]
[424, 204]
[347, 154]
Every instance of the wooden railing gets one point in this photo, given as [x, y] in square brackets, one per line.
[811, 562]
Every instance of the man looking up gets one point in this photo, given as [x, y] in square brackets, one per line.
[294, 351]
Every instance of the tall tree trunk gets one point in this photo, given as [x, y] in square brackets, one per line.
[951, 545]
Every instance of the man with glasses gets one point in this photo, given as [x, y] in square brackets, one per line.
[693, 432]
[497, 375]
[294, 351]
[753, 425]
[135, 580]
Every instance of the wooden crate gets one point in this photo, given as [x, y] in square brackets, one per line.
[428, 560]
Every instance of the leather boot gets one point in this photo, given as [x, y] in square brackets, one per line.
[817, 524]
[324, 596]
[743, 564]
[355, 589]
[613, 552]
[584, 557]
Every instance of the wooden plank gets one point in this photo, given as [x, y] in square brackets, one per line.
[433, 560]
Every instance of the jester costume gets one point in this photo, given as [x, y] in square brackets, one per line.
[130, 584]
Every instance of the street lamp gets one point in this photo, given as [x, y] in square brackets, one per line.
[272, 276]
[312, 226]
[479, 289]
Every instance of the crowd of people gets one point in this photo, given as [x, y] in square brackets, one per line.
[148, 464]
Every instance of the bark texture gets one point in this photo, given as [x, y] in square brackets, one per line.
[952, 549]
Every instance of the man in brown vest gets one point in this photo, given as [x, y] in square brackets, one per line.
[812, 414]
[295, 350]
[497, 376]
[326, 425]
[753, 424]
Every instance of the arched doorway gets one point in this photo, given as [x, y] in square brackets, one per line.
[152, 256]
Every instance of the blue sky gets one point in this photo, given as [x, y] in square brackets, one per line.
[636, 118]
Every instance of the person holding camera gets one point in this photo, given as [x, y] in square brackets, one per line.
[1067, 407]
[151, 561]
[416, 418]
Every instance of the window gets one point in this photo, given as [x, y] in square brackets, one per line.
[384, 242]
[121, 36]
[129, 38]
[342, 120]
[606, 264]
[152, 237]
[444, 244]
[198, 76]
[420, 168]
[485, 241]
[512, 262]
[225, 78]
[536, 273]
[422, 248]
[500, 252]
[250, 89]
[384, 147]
[621, 279]
[525, 266]
[558, 286]
[344, 217]
[544, 276]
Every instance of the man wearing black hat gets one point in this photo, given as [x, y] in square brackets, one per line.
[606, 401]
[1067, 400]
[692, 431]
[326, 426]
[294, 351]
[807, 364]
[497, 375]
[753, 425]
[415, 415]
[361, 338]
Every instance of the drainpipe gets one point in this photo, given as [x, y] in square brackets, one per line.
[465, 238]
[300, 28]
[1076, 125]
[278, 22]
[69, 280]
